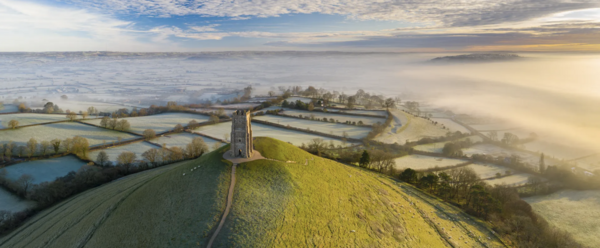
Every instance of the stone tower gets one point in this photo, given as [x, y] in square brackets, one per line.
[241, 134]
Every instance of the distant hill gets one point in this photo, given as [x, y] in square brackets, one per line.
[309, 201]
[470, 58]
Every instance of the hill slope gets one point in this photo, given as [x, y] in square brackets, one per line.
[318, 202]
[312, 202]
[156, 208]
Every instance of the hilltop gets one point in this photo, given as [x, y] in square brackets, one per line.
[291, 199]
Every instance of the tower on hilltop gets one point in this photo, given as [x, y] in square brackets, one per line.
[241, 134]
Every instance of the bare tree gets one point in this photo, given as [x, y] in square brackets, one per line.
[102, 159]
[193, 124]
[45, 145]
[214, 119]
[149, 134]
[123, 125]
[126, 159]
[13, 124]
[32, 145]
[152, 156]
[71, 116]
[80, 146]
[197, 147]
[56, 144]
[178, 128]
[84, 115]
[25, 182]
[104, 122]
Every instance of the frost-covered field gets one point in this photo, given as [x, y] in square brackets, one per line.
[493, 126]
[439, 146]
[9, 108]
[406, 127]
[562, 151]
[330, 128]
[77, 105]
[521, 133]
[421, 162]
[159, 123]
[577, 212]
[362, 112]
[29, 119]
[138, 148]
[337, 117]
[494, 150]
[297, 138]
[512, 180]
[63, 130]
[12, 203]
[450, 124]
[45, 170]
[590, 163]
[488, 170]
[237, 106]
[182, 139]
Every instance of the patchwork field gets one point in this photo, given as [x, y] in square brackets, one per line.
[45, 170]
[450, 124]
[223, 130]
[76, 106]
[154, 208]
[9, 108]
[439, 146]
[30, 119]
[561, 151]
[12, 203]
[512, 180]
[321, 203]
[330, 128]
[94, 135]
[362, 112]
[182, 139]
[159, 123]
[577, 212]
[494, 150]
[408, 128]
[138, 148]
[422, 162]
[337, 117]
[488, 170]
[591, 163]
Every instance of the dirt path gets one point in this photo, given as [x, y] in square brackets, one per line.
[227, 209]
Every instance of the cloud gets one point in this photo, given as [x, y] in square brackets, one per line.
[448, 13]
[34, 27]
[208, 28]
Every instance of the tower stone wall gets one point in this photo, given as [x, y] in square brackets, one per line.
[241, 134]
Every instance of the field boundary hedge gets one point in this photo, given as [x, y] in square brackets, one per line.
[308, 119]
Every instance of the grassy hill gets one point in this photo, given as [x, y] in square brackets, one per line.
[318, 202]
[308, 202]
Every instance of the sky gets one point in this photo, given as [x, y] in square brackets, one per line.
[348, 25]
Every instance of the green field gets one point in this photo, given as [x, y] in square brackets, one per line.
[320, 203]
[577, 212]
[159, 123]
[94, 135]
[156, 208]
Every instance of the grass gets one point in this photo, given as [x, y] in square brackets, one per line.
[30, 119]
[12, 203]
[155, 208]
[159, 123]
[294, 137]
[321, 203]
[324, 127]
[577, 212]
[138, 148]
[422, 162]
[94, 135]
[182, 139]
[45, 170]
